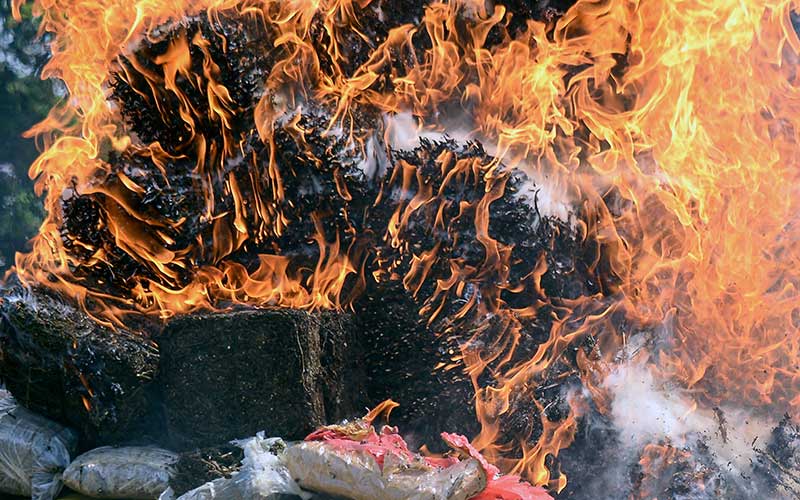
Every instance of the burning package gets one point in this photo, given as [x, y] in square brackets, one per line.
[356, 461]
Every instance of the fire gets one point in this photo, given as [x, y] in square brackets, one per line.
[670, 125]
[658, 461]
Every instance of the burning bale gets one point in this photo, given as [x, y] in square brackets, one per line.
[60, 363]
[398, 356]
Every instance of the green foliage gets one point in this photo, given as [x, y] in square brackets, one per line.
[25, 99]
[20, 215]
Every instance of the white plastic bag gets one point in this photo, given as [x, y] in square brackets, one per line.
[130, 472]
[355, 474]
[262, 475]
[33, 451]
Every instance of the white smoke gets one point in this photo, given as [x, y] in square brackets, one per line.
[550, 198]
[404, 132]
[542, 190]
[645, 409]
[375, 161]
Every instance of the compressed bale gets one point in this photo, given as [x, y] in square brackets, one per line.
[33, 451]
[130, 472]
[60, 363]
[229, 375]
[344, 372]
[417, 330]
[401, 356]
[226, 376]
[350, 196]
[316, 169]
[312, 168]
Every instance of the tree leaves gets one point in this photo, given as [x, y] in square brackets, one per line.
[25, 99]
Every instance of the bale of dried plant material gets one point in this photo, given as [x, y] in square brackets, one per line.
[179, 164]
[417, 329]
[229, 375]
[330, 192]
[344, 371]
[58, 362]
[401, 356]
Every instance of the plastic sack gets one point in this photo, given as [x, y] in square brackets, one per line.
[33, 451]
[356, 474]
[263, 475]
[132, 472]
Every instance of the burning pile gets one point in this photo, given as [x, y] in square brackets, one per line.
[579, 221]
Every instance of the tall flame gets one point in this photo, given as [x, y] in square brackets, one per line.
[673, 126]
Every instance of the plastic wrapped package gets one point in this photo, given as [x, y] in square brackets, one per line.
[33, 451]
[356, 461]
[263, 475]
[132, 472]
[356, 474]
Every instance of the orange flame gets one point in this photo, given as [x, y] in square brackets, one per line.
[670, 124]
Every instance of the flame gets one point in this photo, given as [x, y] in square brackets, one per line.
[658, 465]
[669, 124]
[384, 409]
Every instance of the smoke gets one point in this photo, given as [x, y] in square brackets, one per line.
[404, 132]
[541, 190]
[716, 447]
[550, 198]
[375, 161]
[646, 411]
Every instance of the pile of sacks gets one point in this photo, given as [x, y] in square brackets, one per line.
[352, 460]
[35, 461]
